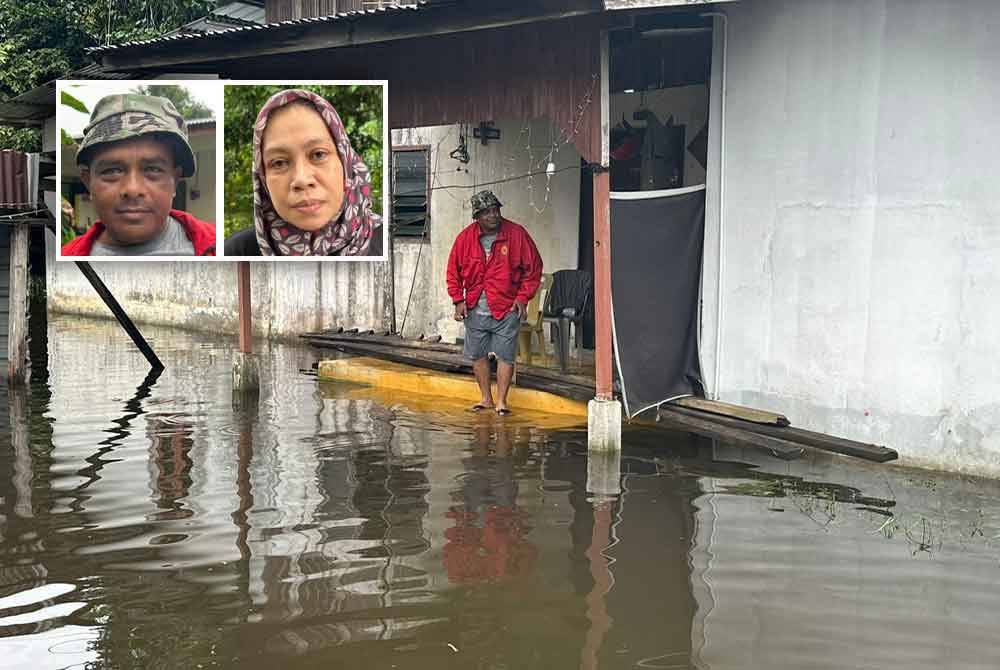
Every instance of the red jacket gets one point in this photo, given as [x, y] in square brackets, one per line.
[512, 274]
[201, 234]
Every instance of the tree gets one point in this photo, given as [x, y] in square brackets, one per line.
[360, 108]
[188, 107]
[42, 40]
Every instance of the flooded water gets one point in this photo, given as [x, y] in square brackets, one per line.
[150, 523]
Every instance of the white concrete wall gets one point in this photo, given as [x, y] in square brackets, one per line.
[203, 207]
[861, 237]
[288, 298]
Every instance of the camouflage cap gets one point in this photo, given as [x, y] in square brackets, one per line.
[124, 116]
[484, 200]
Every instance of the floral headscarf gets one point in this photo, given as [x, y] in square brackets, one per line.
[350, 234]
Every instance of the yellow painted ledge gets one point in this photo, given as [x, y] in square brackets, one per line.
[409, 379]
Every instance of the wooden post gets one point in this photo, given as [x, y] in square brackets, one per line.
[602, 284]
[17, 319]
[246, 372]
[246, 322]
[604, 413]
[389, 273]
[602, 235]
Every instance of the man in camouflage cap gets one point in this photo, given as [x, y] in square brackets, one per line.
[494, 271]
[133, 153]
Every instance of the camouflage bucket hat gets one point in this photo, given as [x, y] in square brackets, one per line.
[124, 116]
[484, 200]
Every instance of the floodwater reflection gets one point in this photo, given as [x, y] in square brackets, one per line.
[156, 523]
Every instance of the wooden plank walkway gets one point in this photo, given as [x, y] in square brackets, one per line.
[723, 421]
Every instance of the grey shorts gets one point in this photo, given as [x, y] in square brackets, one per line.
[484, 334]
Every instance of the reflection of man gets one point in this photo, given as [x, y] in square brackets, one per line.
[488, 540]
[494, 270]
[133, 153]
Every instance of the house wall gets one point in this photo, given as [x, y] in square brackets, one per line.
[860, 212]
[292, 298]
[203, 207]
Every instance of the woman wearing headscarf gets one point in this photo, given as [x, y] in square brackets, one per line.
[311, 190]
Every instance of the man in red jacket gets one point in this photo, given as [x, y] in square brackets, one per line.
[133, 153]
[494, 270]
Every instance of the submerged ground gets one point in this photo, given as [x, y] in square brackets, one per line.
[150, 523]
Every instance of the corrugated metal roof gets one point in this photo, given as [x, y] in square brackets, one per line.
[256, 30]
[232, 15]
[98, 71]
[30, 108]
[251, 12]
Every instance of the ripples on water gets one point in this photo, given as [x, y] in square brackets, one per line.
[150, 523]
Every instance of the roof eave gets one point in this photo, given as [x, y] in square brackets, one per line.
[344, 30]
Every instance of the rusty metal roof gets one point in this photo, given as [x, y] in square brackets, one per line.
[257, 30]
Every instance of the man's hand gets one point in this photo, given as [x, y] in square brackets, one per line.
[461, 311]
[521, 309]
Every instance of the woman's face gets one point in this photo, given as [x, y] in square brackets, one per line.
[302, 169]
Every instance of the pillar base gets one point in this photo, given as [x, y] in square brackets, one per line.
[246, 372]
[604, 425]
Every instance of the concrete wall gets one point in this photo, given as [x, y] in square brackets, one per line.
[203, 207]
[861, 237]
[292, 298]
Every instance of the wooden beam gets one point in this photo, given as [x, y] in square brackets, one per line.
[17, 313]
[714, 427]
[316, 34]
[821, 441]
[246, 320]
[735, 411]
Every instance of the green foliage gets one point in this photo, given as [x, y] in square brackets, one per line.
[27, 140]
[73, 103]
[46, 39]
[360, 108]
[188, 107]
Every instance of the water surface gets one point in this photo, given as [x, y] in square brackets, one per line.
[153, 523]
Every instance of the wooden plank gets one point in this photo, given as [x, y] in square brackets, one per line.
[332, 339]
[735, 411]
[821, 441]
[691, 421]
[456, 363]
[17, 319]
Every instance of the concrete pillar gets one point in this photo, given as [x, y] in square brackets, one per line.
[246, 372]
[604, 425]
[604, 475]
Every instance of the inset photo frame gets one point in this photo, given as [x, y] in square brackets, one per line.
[138, 169]
[305, 170]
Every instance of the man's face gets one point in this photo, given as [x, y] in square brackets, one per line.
[302, 169]
[489, 219]
[132, 183]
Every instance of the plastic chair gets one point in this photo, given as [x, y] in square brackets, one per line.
[568, 302]
[533, 324]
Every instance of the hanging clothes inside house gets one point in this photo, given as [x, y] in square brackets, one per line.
[656, 252]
